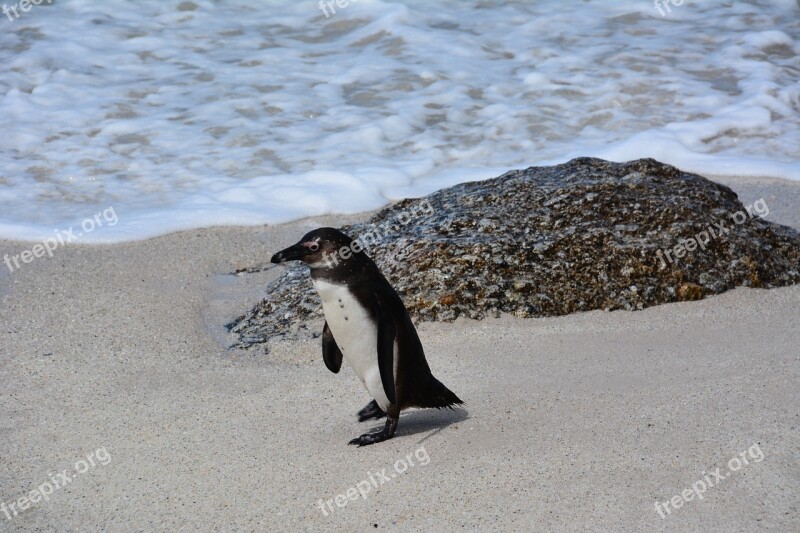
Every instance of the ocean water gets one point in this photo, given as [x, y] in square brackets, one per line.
[184, 114]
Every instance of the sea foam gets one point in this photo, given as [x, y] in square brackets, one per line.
[199, 113]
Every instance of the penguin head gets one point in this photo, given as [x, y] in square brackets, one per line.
[319, 248]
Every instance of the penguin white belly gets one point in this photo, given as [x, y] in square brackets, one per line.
[356, 335]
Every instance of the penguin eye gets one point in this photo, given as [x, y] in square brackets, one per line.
[314, 246]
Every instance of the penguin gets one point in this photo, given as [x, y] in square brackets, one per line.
[367, 324]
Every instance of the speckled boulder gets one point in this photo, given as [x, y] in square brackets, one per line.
[545, 241]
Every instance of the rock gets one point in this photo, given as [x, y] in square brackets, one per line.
[690, 291]
[545, 241]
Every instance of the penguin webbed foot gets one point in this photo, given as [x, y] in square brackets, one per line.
[371, 438]
[371, 410]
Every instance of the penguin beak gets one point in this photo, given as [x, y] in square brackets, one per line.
[292, 253]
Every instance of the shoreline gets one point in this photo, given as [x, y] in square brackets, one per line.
[744, 185]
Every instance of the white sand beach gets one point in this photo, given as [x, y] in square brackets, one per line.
[582, 422]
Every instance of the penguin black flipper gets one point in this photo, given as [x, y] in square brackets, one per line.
[386, 335]
[331, 353]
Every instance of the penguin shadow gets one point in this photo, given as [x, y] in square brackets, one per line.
[424, 420]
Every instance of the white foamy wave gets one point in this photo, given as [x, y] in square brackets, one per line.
[199, 113]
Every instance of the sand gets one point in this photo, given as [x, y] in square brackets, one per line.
[581, 422]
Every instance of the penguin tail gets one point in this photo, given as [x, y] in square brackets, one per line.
[439, 396]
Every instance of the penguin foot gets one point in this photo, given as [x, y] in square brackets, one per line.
[371, 438]
[371, 410]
